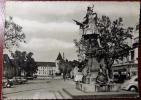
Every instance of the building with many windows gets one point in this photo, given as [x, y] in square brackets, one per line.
[129, 66]
[49, 69]
[46, 69]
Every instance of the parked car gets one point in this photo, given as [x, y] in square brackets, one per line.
[34, 76]
[4, 82]
[23, 79]
[30, 78]
[19, 80]
[131, 85]
[16, 80]
[7, 83]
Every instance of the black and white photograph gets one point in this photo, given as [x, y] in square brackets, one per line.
[70, 50]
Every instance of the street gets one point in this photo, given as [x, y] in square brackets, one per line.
[39, 89]
[56, 89]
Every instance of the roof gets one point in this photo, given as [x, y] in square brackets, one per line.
[50, 64]
[59, 57]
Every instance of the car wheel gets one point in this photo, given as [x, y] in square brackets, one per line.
[133, 89]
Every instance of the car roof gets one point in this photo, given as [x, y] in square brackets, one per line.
[134, 77]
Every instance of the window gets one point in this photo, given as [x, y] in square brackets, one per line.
[136, 79]
[137, 27]
[132, 55]
[50, 72]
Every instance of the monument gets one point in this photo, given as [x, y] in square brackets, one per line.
[96, 70]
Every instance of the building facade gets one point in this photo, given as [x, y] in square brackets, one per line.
[129, 66]
[46, 69]
[49, 69]
[58, 59]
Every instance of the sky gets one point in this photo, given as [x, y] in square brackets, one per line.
[49, 27]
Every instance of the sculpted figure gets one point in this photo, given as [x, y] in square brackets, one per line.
[89, 25]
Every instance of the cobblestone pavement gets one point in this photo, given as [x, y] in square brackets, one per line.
[38, 89]
[43, 89]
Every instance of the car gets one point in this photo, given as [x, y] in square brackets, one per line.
[7, 83]
[18, 80]
[4, 82]
[34, 76]
[23, 79]
[131, 85]
[30, 78]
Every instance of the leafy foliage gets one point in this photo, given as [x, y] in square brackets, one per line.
[31, 65]
[113, 39]
[24, 62]
[13, 34]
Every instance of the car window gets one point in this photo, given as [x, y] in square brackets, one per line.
[136, 79]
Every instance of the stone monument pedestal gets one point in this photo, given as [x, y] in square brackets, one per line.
[86, 87]
[89, 83]
[90, 78]
[96, 87]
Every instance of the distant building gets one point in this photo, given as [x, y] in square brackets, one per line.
[59, 58]
[49, 69]
[129, 66]
[134, 52]
[46, 69]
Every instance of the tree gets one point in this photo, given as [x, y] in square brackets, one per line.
[24, 63]
[19, 59]
[31, 65]
[74, 63]
[113, 40]
[13, 34]
[66, 67]
[17, 62]
[8, 70]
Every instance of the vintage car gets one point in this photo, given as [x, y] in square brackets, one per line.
[23, 79]
[131, 85]
[7, 83]
[30, 78]
[18, 80]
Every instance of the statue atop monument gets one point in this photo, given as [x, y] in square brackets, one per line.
[90, 21]
[89, 24]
